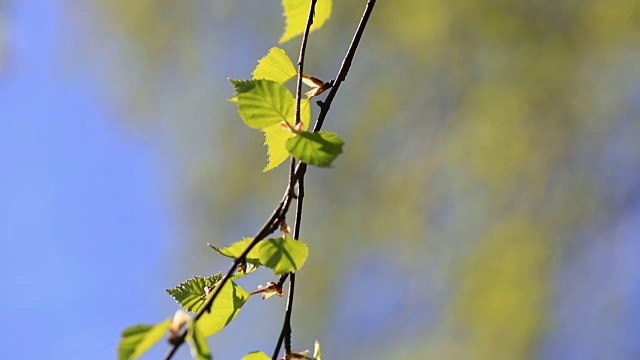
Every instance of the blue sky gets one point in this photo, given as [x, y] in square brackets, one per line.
[82, 202]
[87, 227]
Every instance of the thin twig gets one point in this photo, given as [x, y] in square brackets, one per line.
[285, 333]
[269, 227]
[303, 50]
[346, 64]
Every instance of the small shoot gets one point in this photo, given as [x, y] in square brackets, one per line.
[295, 129]
[180, 318]
[272, 288]
[317, 354]
[317, 86]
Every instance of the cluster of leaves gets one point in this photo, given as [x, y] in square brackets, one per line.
[264, 103]
[281, 254]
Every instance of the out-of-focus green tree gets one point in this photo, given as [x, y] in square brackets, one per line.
[473, 131]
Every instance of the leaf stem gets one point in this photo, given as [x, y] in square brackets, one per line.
[295, 173]
[285, 333]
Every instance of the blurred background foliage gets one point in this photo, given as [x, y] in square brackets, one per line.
[487, 203]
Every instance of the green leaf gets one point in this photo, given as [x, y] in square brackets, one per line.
[224, 309]
[263, 103]
[305, 113]
[189, 294]
[250, 268]
[197, 342]
[137, 339]
[296, 13]
[237, 248]
[283, 255]
[276, 66]
[276, 137]
[319, 149]
[256, 355]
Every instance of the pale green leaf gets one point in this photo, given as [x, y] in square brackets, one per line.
[283, 255]
[256, 355]
[296, 13]
[263, 103]
[276, 137]
[197, 342]
[317, 352]
[319, 149]
[189, 294]
[137, 339]
[224, 309]
[276, 66]
[237, 248]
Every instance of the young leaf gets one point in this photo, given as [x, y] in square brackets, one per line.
[197, 342]
[319, 149]
[189, 293]
[276, 137]
[283, 255]
[263, 103]
[296, 13]
[256, 355]
[237, 248]
[317, 352]
[224, 309]
[276, 66]
[137, 339]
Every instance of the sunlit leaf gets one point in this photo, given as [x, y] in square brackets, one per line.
[263, 103]
[224, 309]
[197, 342]
[275, 66]
[317, 352]
[319, 149]
[257, 355]
[237, 248]
[296, 13]
[283, 255]
[276, 137]
[137, 339]
[189, 294]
